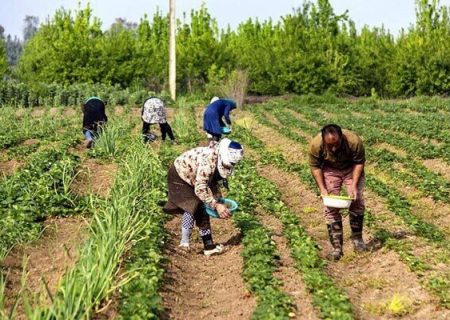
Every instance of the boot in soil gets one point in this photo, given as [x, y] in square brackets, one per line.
[209, 247]
[356, 224]
[336, 235]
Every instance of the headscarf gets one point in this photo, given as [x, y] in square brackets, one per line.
[214, 99]
[230, 153]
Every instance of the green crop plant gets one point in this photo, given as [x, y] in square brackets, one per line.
[120, 220]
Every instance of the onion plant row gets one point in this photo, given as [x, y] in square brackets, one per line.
[138, 297]
[128, 215]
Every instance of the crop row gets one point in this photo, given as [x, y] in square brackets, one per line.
[425, 123]
[330, 301]
[396, 203]
[36, 191]
[138, 297]
[120, 220]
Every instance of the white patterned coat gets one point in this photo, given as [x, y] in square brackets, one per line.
[154, 111]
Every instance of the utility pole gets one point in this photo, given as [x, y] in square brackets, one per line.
[172, 51]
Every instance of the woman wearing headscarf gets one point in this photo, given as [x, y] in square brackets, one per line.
[193, 182]
[154, 111]
[214, 115]
[94, 117]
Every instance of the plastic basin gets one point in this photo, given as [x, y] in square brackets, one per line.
[336, 201]
[231, 204]
[226, 130]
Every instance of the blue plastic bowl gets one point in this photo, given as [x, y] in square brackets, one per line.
[231, 204]
[226, 130]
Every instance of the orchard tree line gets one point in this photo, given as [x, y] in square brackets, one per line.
[312, 50]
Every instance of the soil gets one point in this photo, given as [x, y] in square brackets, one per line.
[94, 177]
[286, 271]
[118, 110]
[391, 148]
[71, 112]
[256, 99]
[278, 143]
[30, 142]
[37, 112]
[7, 168]
[199, 287]
[303, 118]
[438, 165]
[47, 260]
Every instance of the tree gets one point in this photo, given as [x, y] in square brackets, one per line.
[3, 60]
[64, 50]
[31, 27]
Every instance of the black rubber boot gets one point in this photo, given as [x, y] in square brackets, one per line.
[356, 224]
[336, 235]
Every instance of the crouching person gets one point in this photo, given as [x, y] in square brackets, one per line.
[193, 182]
[94, 117]
[154, 111]
[336, 158]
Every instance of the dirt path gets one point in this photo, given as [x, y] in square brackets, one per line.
[199, 287]
[48, 259]
[286, 271]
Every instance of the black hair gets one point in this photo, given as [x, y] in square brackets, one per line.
[332, 129]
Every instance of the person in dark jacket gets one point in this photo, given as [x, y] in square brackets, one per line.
[213, 116]
[94, 117]
[154, 111]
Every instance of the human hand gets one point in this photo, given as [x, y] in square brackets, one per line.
[323, 191]
[353, 192]
[223, 211]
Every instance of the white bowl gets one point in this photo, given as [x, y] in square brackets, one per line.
[336, 201]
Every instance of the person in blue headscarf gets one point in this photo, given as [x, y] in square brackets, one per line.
[213, 118]
[94, 117]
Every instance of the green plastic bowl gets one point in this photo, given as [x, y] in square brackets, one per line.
[231, 204]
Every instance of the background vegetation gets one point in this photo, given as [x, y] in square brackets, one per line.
[311, 50]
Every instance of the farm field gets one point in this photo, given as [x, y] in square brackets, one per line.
[83, 235]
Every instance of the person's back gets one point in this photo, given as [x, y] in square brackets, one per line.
[212, 117]
[93, 114]
[154, 112]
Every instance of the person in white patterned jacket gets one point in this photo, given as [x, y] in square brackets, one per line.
[154, 111]
[193, 182]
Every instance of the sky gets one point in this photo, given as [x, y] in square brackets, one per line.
[393, 14]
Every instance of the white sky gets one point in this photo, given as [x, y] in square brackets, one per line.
[394, 14]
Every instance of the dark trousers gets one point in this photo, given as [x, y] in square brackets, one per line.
[164, 127]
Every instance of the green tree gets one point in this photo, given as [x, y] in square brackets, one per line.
[3, 59]
[197, 49]
[64, 50]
